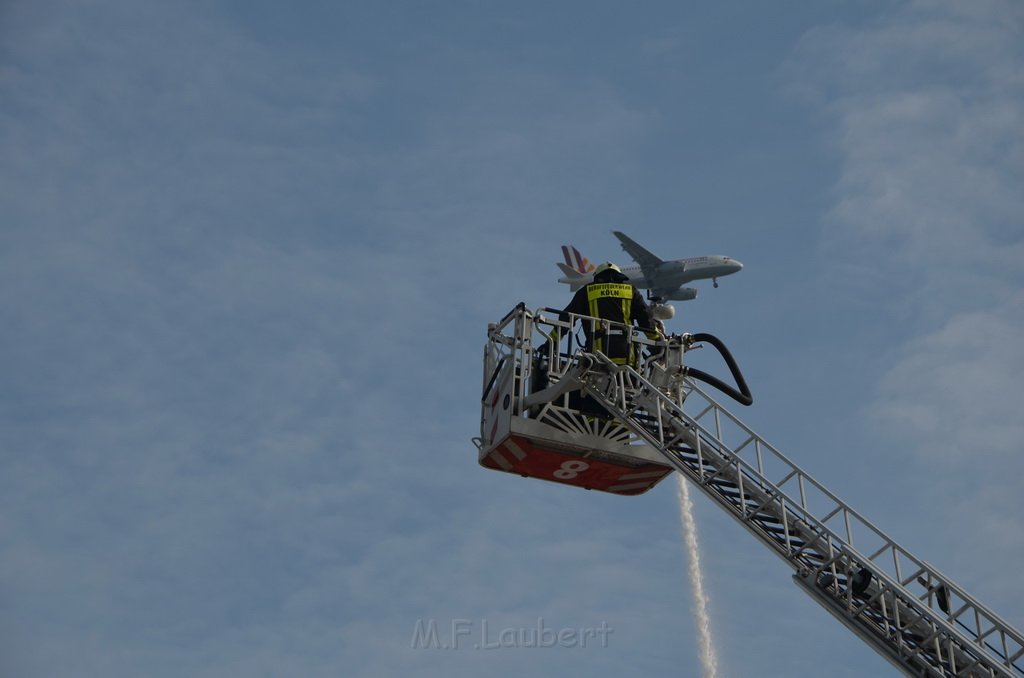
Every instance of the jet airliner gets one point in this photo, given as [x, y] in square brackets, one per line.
[663, 280]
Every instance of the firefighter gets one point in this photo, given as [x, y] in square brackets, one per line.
[611, 297]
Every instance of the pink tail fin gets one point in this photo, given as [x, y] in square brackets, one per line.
[575, 260]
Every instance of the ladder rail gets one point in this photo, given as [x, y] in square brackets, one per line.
[915, 626]
[905, 609]
[981, 621]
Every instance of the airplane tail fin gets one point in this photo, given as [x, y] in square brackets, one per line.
[576, 268]
[575, 260]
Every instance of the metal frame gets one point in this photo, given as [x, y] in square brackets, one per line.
[910, 613]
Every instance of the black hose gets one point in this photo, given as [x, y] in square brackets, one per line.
[743, 395]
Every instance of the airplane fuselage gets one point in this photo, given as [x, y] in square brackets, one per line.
[675, 273]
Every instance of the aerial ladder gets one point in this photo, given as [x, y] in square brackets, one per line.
[552, 410]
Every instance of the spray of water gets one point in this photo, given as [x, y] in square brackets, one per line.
[709, 664]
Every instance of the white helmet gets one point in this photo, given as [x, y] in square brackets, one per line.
[609, 266]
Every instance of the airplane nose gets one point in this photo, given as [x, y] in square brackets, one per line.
[737, 264]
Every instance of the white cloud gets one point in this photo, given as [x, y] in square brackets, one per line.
[952, 394]
[928, 110]
[924, 109]
[237, 447]
[233, 417]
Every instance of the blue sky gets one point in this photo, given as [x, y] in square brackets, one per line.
[249, 250]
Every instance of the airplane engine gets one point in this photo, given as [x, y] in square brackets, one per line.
[683, 294]
[663, 311]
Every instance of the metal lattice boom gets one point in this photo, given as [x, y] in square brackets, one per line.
[914, 616]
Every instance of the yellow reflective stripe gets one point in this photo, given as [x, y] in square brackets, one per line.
[595, 312]
[598, 291]
[602, 290]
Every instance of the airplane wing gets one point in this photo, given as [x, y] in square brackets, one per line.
[648, 262]
[639, 254]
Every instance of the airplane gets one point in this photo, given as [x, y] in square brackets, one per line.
[663, 280]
